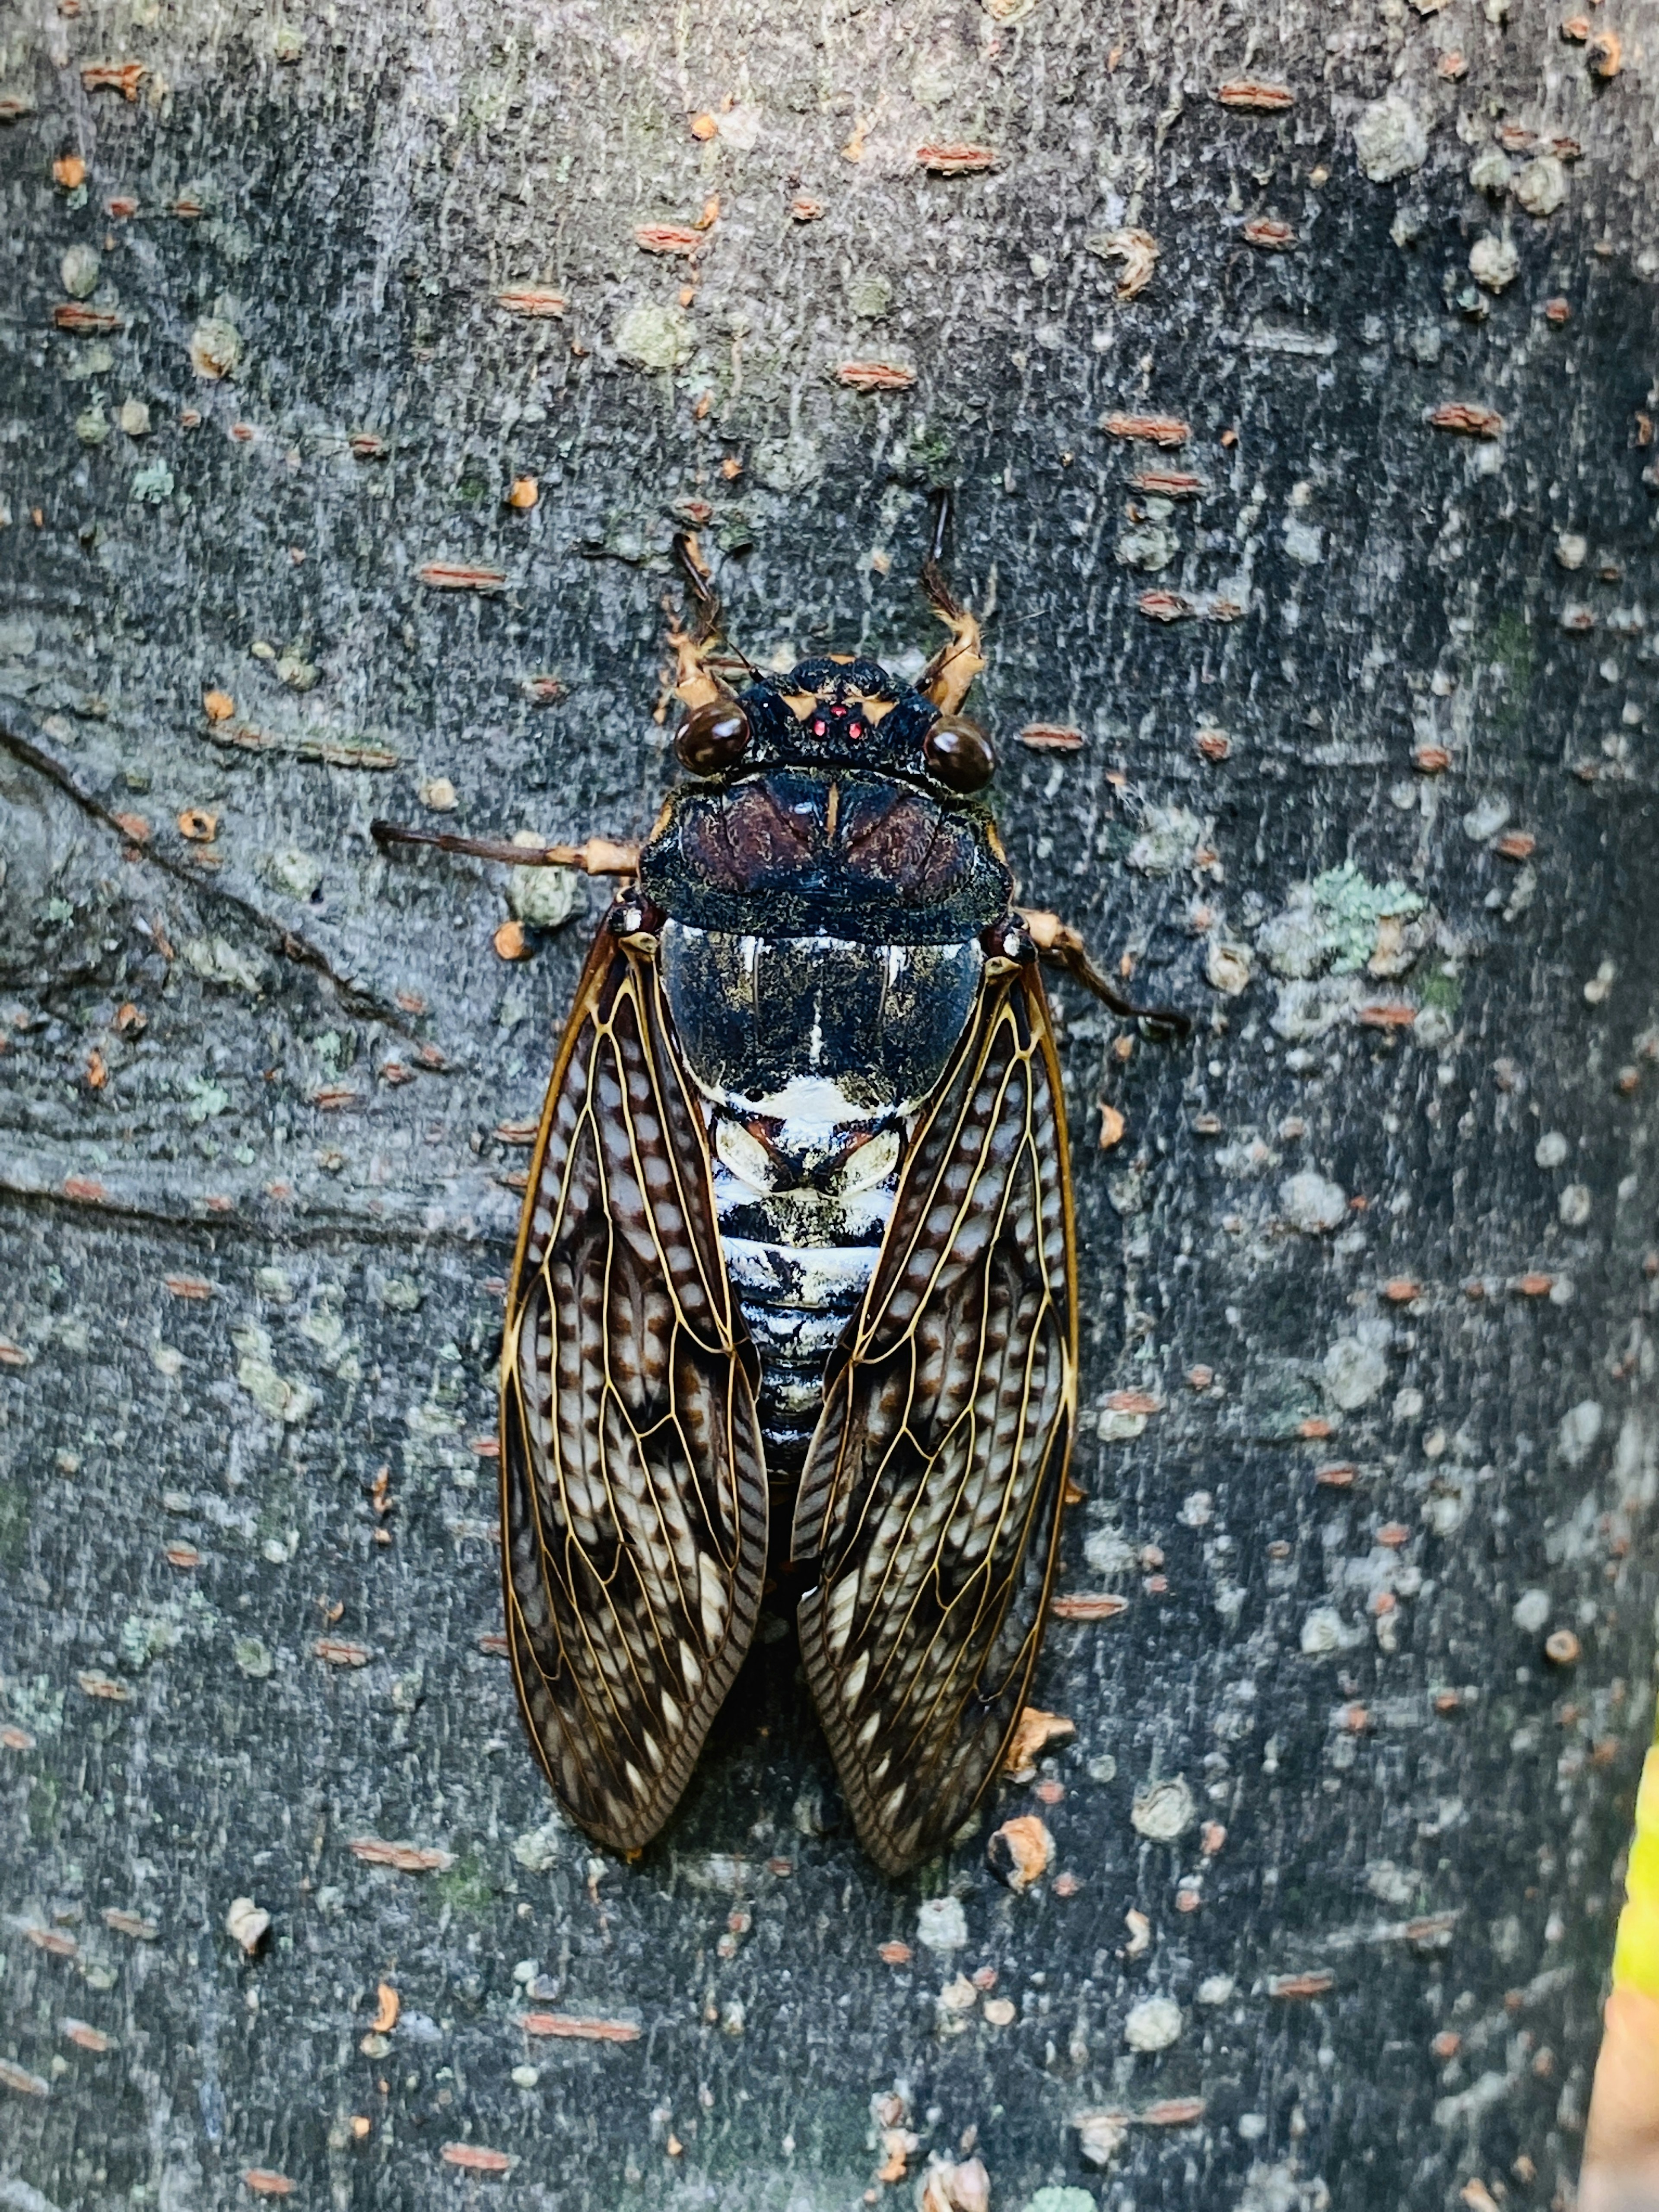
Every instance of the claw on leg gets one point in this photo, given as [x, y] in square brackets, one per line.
[599, 856]
[1062, 945]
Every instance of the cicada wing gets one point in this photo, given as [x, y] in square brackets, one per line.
[931, 1492]
[634, 1502]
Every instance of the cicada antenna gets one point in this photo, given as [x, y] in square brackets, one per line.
[950, 674]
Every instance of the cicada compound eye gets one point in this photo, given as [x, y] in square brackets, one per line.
[712, 737]
[958, 752]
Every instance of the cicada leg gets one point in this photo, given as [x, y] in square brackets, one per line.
[1063, 947]
[599, 856]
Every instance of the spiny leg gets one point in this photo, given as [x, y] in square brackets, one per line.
[599, 856]
[708, 658]
[1063, 947]
[949, 675]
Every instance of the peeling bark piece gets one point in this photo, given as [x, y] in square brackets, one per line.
[1468, 419]
[1165, 606]
[667, 238]
[1269, 235]
[534, 302]
[1035, 1731]
[84, 322]
[407, 1858]
[1088, 1605]
[1156, 429]
[875, 376]
[460, 576]
[1258, 95]
[52, 1942]
[1138, 250]
[952, 159]
[1168, 484]
[123, 1923]
[1312, 1984]
[1021, 1851]
[124, 77]
[473, 2158]
[579, 2027]
[338, 1652]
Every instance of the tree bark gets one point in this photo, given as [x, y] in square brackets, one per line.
[1293, 374]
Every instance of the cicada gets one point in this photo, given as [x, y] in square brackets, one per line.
[795, 1289]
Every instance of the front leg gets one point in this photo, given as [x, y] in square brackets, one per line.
[1063, 947]
[599, 856]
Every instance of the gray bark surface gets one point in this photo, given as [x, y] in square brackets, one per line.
[1398, 1196]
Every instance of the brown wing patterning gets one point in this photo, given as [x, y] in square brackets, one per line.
[931, 1496]
[632, 1487]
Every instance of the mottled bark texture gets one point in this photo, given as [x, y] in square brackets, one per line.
[1366, 712]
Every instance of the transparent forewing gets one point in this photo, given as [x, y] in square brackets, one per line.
[931, 1493]
[633, 1486]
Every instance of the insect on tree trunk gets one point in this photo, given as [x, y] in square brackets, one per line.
[1294, 378]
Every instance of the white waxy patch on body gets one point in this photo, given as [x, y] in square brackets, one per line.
[816, 1276]
[811, 1109]
[745, 1156]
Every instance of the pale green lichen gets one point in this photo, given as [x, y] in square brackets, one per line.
[869, 297]
[151, 484]
[653, 338]
[274, 1394]
[207, 1100]
[252, 1657]
[1332, 926]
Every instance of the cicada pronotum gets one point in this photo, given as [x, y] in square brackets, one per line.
[796, 1280]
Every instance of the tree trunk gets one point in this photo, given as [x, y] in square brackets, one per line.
[1293, 377]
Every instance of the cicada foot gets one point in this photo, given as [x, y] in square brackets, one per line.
[597, 856]
[1063, 947]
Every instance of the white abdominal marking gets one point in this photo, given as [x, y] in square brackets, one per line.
[805, 1181]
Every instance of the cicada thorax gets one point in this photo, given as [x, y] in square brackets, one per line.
[813, 1054]
[821, 963]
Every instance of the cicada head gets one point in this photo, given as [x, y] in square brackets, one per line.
[839, 711]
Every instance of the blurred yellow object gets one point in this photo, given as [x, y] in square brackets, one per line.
[1622, 2141]
[1636, 1954]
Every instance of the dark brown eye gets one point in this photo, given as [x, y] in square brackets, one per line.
[959, 753]
[712, 737]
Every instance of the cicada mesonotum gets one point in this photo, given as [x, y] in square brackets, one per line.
[796, 1279]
